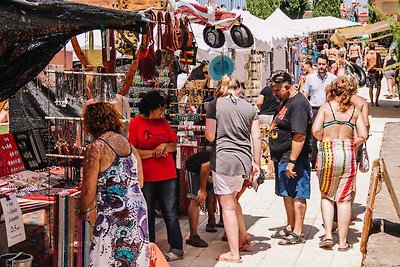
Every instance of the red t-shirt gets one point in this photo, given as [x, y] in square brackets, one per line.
[147, 135]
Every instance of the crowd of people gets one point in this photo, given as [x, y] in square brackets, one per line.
[342, 61]
[316, 125]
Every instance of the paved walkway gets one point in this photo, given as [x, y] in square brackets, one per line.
[264, 212]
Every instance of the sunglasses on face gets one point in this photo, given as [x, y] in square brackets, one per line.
[205, 72]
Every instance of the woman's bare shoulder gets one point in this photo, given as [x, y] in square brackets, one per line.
[358, 101]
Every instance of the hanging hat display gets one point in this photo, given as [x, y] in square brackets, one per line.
[242, 36]
[213, 37]
[220, 66]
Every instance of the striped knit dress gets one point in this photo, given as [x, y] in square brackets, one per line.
[336, 169]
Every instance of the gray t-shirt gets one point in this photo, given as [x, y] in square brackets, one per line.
[231, 153]
[315, 86]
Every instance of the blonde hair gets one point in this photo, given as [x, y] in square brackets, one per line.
[226, 86]
[341, 90]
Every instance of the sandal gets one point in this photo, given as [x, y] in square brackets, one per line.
[326, 243]
[170, 256]
[231, 260]
[292, 239]
[211, 228]
[349, 246]
[279, 234]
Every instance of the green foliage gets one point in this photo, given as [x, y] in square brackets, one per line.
[294, 8]
[372, 18]
[394, 29]
[263, 8]
[326, 8]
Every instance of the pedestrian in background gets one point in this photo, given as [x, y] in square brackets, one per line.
[315, 90]
[372, 64]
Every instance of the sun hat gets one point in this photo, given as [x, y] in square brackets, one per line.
[213, 37]
[220, 66]
[242, 36]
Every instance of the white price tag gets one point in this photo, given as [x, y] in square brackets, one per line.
[13, 219]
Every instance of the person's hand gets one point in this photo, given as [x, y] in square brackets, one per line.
[201, 196]
[160, 151]
[290, 170]
[254, 173]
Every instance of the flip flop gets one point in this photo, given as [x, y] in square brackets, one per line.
[246, 246]
[327, 243]
[349, 246]
[231, 260]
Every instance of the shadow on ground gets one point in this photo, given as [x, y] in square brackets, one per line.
[309, 231]
[386, 109]
[388, 227]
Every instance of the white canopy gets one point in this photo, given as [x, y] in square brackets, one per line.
[284, 26]
[324, 23]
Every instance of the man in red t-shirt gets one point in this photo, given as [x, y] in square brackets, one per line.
[155, 141]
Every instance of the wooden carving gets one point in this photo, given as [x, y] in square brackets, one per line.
[127, 5]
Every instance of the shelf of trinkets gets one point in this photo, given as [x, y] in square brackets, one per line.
[10, 159]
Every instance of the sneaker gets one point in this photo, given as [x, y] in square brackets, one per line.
[197, 242]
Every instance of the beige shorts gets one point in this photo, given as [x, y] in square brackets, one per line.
[225, 185]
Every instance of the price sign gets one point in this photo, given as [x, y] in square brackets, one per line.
[13, 219]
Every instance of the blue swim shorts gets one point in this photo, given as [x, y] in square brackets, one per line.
[298, 187]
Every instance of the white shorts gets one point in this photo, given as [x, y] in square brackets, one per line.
[225, 185]
[265, 119]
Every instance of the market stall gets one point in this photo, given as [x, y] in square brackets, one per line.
[41, 157]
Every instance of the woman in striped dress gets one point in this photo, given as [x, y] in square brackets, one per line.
[340, 129]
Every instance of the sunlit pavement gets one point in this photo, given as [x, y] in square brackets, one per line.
[264, 212]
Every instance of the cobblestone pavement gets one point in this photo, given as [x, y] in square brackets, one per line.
[264, 212]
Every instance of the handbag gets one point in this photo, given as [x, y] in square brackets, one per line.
[364, 159]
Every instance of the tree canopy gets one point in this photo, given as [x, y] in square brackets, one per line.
[326, 8]
[263, 8]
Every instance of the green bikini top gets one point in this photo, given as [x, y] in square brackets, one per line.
[335, 121]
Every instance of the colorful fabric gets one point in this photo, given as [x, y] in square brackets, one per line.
[336, 169]
[120, 233]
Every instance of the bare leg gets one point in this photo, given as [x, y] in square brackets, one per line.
[300, 207]
[221, 218]
[211, 203]
[229, 205]
[289, 207]
[344, 214]
[371, 95]
[193, 215]
[378, 92]
[327, 210]
[243, 235]
[390, 83]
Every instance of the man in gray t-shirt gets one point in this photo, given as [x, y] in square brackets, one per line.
[315, 90]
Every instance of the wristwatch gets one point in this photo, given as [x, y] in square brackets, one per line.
[292, 161]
